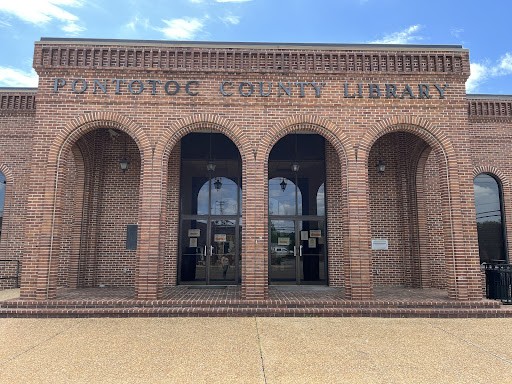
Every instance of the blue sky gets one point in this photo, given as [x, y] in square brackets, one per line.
[483, 27]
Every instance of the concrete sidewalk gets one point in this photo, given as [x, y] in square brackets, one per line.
[255, 350]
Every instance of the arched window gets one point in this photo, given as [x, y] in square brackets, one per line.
[2, 200]
[489, 219]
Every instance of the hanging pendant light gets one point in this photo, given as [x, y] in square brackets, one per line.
[295, 165]
[283, 184]
[217, 184]
[210, 166]
[124, 162]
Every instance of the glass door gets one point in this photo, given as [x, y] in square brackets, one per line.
[297, 252]
[223, 251]
[210, 251]
[194, 250]
[312, 245]
[283, 251]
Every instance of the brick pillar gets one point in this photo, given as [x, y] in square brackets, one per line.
[149, 279]
[254, 232]
[461, 247]
[39, 277]
[358, 265]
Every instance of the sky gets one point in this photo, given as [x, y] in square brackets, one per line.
[481, 26]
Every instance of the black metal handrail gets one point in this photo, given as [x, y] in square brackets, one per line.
[498, 282]
[17, 276]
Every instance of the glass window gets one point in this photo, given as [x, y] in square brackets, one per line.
[2, 199]
[296, 172]
[489, 219]
[216, 191]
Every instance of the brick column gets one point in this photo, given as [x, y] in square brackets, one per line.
[358, 266]
[149, 279]
[255, 232]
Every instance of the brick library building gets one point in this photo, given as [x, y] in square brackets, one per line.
[202, 177]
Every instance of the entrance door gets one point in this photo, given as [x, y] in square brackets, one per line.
[297, 251]
[296, 208]
[210, 252]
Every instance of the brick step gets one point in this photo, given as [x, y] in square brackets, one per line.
[251, 311]
[276, 304]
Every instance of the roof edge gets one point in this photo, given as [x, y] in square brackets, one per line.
[18, 89]
[260, 45]
[480, 96]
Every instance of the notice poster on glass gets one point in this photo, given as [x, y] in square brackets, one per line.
[304, 235]
[220, 237]
[283, 241]
[312, 242]
[315, 233]
[194, 232]
[193, 242]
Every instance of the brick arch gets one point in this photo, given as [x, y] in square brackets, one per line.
[490, 170]
[85, 123]
[330, 131]
[197, 122]
[6, 170]
[420, 127]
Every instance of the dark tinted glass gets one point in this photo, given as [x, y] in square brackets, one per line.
[489, 219]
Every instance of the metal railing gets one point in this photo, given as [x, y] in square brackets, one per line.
[498, 282]
[16, 268]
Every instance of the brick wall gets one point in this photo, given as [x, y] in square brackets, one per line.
[17, 121]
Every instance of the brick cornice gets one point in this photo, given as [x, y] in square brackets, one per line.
[17, 100]
[272, 58]
[490, 108]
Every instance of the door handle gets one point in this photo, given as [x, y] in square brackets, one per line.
[205, 251]
[294, 250]
[300, 251]
[211, 250]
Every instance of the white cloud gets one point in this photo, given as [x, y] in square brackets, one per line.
[5, 24]
[231, 19]
[136, 22]
[181, 29]
[44, 11]
[456, 32]
[405, 36]
[11, 77]
[480, 72]
[232, 1]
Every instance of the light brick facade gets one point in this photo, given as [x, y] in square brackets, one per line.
[67, 202]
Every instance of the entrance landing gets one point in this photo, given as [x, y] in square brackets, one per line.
[227, 301]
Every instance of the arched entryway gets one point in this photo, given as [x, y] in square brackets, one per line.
[296, 204]
[210, 234]
[100, 211]
[406, 213]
